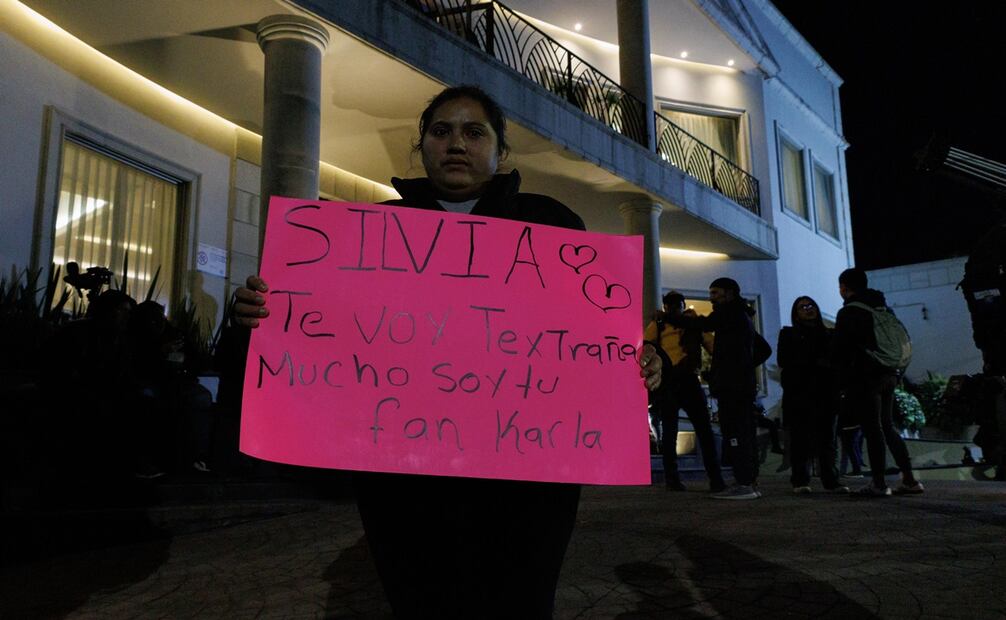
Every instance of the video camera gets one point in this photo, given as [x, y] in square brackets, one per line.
[91, 280]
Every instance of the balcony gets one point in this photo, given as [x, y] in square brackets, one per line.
[504, 35]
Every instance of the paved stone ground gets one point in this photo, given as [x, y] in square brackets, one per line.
[637, 553]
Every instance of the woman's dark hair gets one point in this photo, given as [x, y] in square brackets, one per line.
[466, 91]
[796, 304]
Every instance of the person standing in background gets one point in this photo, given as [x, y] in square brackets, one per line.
[810, 396]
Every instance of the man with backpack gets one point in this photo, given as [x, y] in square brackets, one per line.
[871, 349]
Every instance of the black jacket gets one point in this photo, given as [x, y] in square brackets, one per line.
[854, 337]
[803, 355]
[501, 199]
[733, 368]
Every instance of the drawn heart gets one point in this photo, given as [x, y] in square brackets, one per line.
[605, 296]
[570, 255]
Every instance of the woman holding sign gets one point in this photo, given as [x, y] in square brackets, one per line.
[462, 547]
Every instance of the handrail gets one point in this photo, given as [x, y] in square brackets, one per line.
[683, 150]
[512, 40]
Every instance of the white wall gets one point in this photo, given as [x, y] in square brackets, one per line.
[809, 260]
[925, 298]
[31, 82]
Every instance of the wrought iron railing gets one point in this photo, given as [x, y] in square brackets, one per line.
[509, 38]
[683, 150]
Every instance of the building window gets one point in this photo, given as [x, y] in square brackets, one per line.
[111, 211]
[719, 132]
[794, 194]
[824, 202]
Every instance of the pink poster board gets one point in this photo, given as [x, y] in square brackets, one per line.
[411, 341]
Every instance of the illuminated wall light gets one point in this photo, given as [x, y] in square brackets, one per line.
[730, 62]
[578, 26]
[692, 254]
[89, 64]
[684, 54]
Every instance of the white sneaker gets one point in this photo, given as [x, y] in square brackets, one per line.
[737, 491]
[804, 490]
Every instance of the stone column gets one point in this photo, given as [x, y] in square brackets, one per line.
[634, 65]
[291, 119]
[642, 217]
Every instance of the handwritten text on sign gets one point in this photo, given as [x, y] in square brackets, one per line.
[413, 341]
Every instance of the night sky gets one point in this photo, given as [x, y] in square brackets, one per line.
[911, 69]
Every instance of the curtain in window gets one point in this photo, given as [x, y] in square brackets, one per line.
[793, 183]
[108, 210]
[824, 202]
[717, 132]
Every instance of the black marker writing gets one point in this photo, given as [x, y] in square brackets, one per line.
[526, 234]
[318, 231]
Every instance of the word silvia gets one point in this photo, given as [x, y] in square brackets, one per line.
[419, 261]
[596, 289]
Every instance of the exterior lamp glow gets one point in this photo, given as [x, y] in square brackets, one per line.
[578, 26]
[730, 62]
[691, 254]
[684, 54]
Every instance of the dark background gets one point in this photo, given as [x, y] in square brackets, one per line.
[912, 68]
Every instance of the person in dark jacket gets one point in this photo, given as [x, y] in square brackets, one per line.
[868, 387]
[680, 389]
[809, 397]
[449, 547]
[732, 381]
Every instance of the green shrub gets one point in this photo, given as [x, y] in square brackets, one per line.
[908, 412]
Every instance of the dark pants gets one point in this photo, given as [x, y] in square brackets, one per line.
[685, 392]
[812, 421]
[467, 548]
[873, 398]
[852, 449]
[737, 424]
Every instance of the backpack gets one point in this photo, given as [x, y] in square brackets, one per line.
[761, 350]
[894, 347]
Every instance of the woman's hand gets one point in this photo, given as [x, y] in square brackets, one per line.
[651, 366]
[249, 304]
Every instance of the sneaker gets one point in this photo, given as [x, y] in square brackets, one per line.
[909, 489]
[840, 489]
[872, 491]
[738, 491]
[717, 486]
[147, 472]
[201, 466]
[802, 490]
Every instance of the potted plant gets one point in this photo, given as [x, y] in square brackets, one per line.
[909, 416]
[945, 417]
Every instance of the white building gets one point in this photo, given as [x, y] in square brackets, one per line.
[155, 108]
[926, 299]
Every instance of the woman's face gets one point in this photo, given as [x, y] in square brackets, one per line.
[806, 310]
[460, 150]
